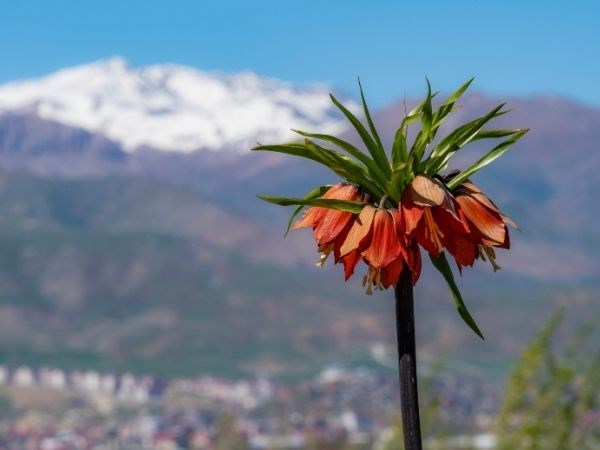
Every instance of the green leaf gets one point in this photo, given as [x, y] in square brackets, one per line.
[461, 136]
[427, 117]
[494, 134]
[291, 148]
[395, 186]
[369, 120]
[315, 193]
[399, 146]
[441, 264]
[377, 153]
[447, 107]
[350, 149]
[426, 133]
[486, 159]
[341, 205]
[459, 92]
[343, 166]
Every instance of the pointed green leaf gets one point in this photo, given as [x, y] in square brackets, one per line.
[486, 159]
[447, 107]
[459, 92]
[343, 166]
[399, 148]
[377, 153]
[461, 136]
[291, 148]
[494, 134]
[346, 167]
[395, 186]
[368, 117]
[341, 205]
[315, 193]
[427, 116]
[427, 132]
[441, 264]
[350, 149]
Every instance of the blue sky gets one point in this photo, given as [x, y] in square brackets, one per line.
[523, 48]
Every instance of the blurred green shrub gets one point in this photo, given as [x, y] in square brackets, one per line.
[552, 395]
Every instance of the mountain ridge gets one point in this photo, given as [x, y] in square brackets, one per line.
[166, 262]
[171, 107]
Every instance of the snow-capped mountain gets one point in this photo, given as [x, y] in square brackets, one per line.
[171, 107]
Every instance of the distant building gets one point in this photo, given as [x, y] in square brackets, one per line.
[23, 377]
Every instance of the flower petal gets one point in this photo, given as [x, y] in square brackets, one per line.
[411, 213]
[389, 274]
[414, 260]
[331, 225]
[463, 250]
[313, 216]
[488, 222]
[310, 218]
[385, 245]
[342, 191]
[426, 192]
[359, 230]
[428, 234]
[350, 260]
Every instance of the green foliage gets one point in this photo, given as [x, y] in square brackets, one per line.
[440, 262]
[551, 396]
[342, 205]
[551, 400]
[228, 438]
[384, 176]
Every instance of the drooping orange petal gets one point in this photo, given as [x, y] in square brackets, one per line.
[411, 213]
[504, 244]
[463, 250]
[470, 186]
[309, 218]
[478, 194]
[313, 215]
[424, 191]
[450, 224]
[390, 273]
[327, 222]
[400, 225]
[428, 234]
[414, 260]
[350, 260]
[488, 222]
[342, 191]
[331, 225]
[484, 200]
[385, 245]
[359, 230]
[509, 221]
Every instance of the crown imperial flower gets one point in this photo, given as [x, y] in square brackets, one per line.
[393, 204]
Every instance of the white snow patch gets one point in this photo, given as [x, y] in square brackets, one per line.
[172, 107]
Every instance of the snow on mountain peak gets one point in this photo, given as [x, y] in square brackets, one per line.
[172, 107]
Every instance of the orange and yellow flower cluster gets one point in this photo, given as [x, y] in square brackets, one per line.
[387, 238]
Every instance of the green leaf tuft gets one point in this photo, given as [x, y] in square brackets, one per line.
[441, 264]
[354, 207]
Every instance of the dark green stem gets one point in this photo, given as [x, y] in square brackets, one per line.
[407, 361]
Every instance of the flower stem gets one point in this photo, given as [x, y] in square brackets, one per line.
[407, 361]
